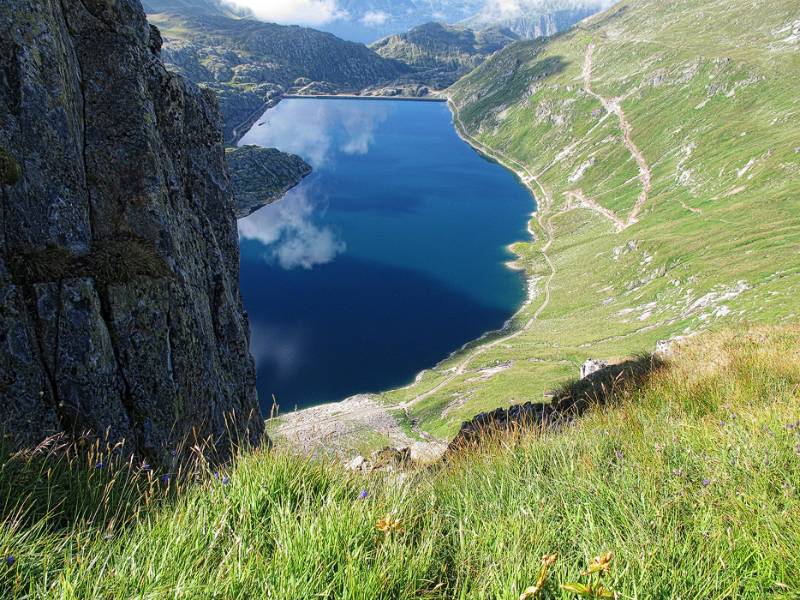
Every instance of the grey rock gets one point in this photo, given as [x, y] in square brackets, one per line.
[120, 313]
[592, 366]
[262, 175]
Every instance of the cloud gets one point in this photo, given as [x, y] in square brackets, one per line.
[288, 230]
[280, 347]
[327, 127]
[375, 18]
[292, 12]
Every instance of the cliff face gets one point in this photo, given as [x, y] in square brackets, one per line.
[119, 305]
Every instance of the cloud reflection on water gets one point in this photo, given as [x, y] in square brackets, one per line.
[289, 231]
[331, 127]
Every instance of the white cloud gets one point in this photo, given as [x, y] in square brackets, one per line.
[288, 230]
[375, 18]
[278, 346]
[327, 127]
[292, 12]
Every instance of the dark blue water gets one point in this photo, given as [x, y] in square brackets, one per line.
[386, 259]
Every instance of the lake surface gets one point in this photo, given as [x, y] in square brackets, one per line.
[390, 256]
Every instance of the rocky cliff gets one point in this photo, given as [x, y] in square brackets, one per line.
[120, 313]
[260, 176]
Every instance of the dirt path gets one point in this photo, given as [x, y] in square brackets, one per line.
[613, 105]
[579, 199]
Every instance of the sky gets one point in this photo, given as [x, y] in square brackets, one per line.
[295, 12]
[323, 12]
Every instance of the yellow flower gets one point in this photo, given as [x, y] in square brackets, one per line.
[530, 593]
[547, 561]
[389, 525]
[600, 564]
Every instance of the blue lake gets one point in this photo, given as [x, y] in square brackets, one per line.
[390, 256]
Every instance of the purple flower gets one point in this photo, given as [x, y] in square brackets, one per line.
[619, 454]
[363, 495]
[100, 465]
[706, 482]
[225, 481]
[165, 479]
[10, 560]
[146, 467]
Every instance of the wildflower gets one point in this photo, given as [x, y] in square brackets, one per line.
[600, 564]
[547, 561]
[619, 454]
[388, 525]
[146, 467]
[225, 481]
[100, 465]
[706, 482]
[165, 479]
[10, 560]
[363, 495]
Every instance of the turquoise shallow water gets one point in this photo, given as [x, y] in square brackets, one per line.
[386, 259]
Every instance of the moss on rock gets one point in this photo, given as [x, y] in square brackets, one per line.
[10, 171]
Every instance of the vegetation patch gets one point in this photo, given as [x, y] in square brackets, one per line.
[109, 262]
[10, 171]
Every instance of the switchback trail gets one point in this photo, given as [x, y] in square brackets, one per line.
[614, 105]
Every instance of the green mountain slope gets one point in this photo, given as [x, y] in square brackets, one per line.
[662, 141]
[441, 54]
[249, 63]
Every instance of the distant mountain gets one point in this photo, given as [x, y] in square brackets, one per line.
[369, 20]
[250, 63]
[441, 54]
[192, 8]
[532, 19]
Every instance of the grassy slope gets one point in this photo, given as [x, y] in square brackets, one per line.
[692, 480]
[707, 89]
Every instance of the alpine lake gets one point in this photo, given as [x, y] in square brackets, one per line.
[389, 257]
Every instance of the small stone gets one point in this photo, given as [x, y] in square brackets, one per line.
[357, 464]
